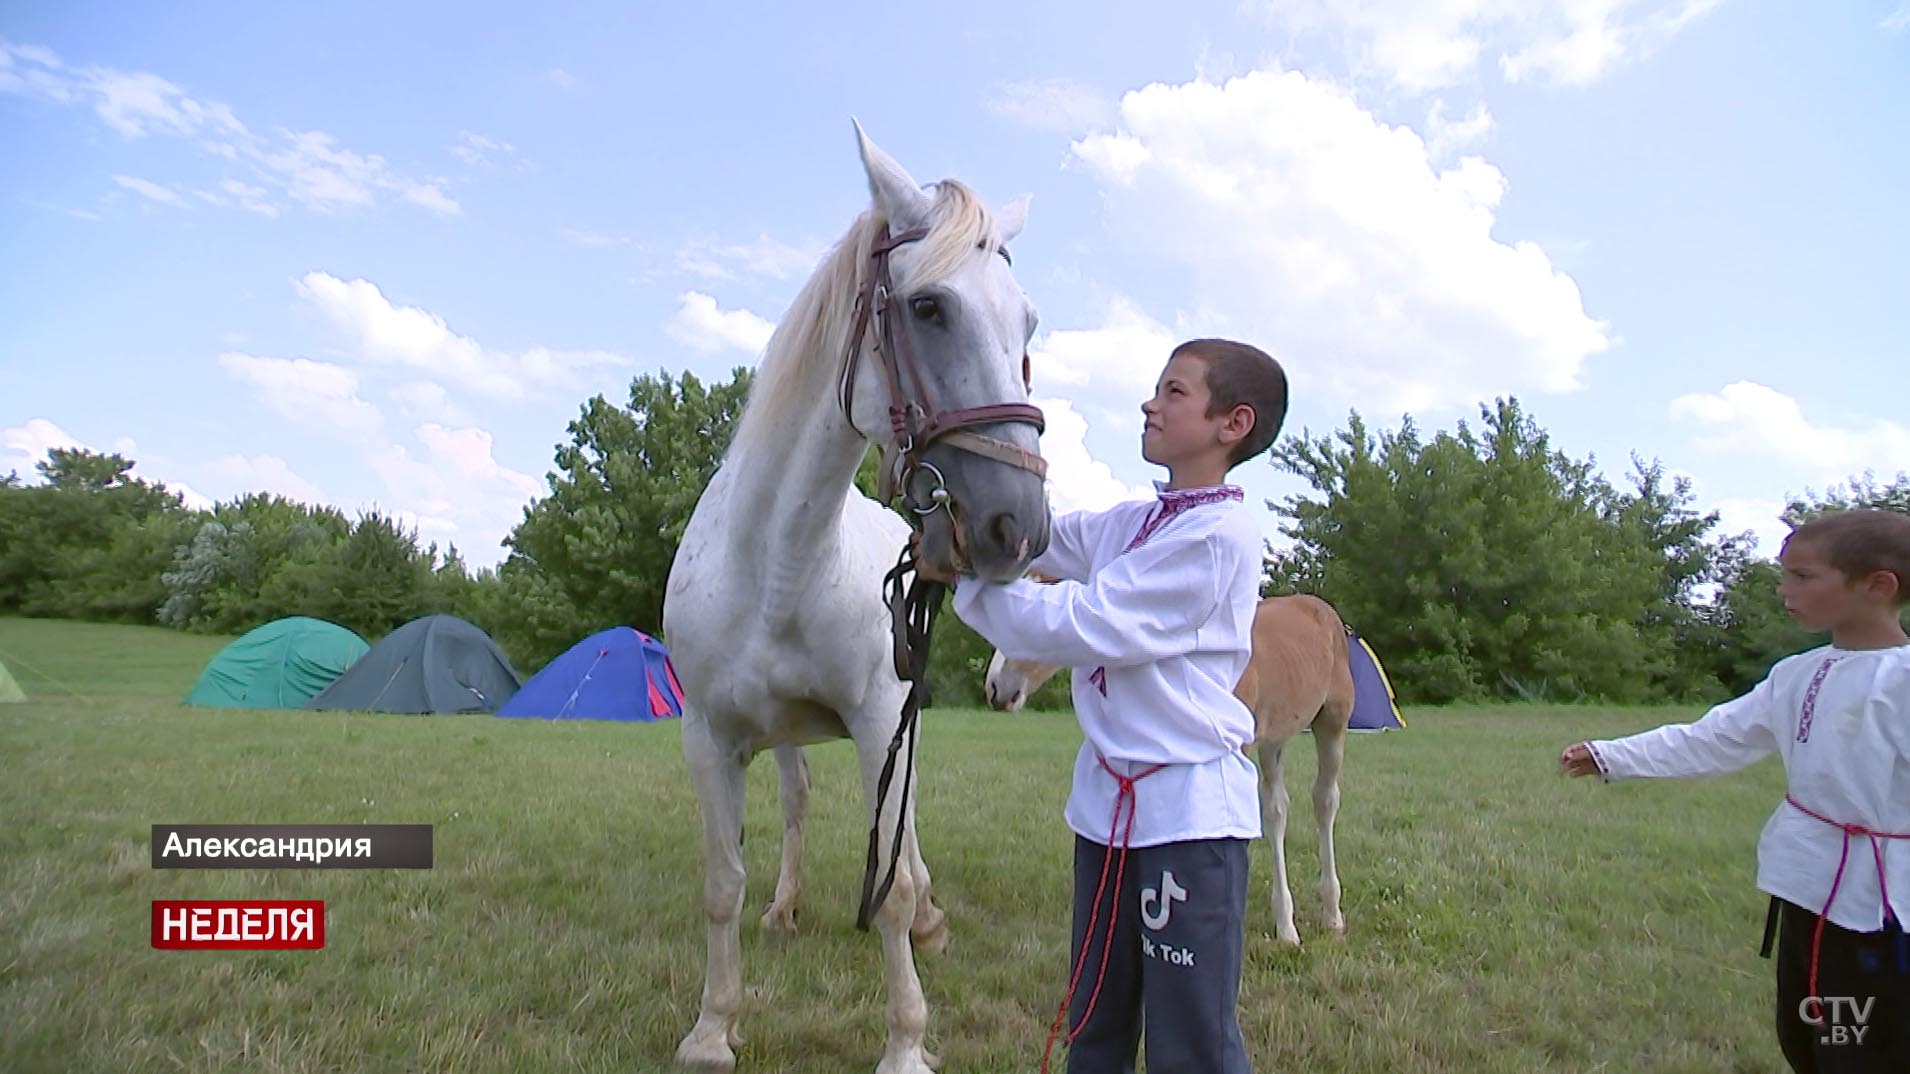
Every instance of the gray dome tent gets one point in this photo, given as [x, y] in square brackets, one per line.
[439, 663]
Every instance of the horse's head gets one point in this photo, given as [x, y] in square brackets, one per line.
[940, 376]
[1010, 683]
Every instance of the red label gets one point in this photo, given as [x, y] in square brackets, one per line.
[238, 924]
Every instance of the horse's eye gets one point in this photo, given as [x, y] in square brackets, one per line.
[925, 308]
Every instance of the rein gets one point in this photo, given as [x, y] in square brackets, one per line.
[912, 613]
[913, 601]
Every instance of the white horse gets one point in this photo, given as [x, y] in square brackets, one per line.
[1297, 679]
[774, 609]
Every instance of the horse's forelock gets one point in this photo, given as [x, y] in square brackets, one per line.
[959, 224]
[816, 328]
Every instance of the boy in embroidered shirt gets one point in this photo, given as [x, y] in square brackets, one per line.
[1157, 598]
[1835, 856]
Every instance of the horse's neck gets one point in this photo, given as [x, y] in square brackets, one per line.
[787, 501]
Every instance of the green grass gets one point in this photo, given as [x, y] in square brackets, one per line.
[1501, 918]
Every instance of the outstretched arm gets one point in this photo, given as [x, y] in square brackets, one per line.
[1731, 736]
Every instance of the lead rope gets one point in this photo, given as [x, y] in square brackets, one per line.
[912, 607]
[1118, 837]
[1883, 885]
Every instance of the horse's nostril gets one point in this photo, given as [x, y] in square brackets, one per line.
[1003, 531]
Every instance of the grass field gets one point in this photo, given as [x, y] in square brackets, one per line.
[1501, 918]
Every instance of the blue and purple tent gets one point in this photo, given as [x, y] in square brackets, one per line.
[617, 674]
[1374, 707]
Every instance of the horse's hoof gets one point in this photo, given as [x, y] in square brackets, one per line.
[917, 1063]
[1288, 937]
[707, 1050]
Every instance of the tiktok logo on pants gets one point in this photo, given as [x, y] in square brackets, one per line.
[1157, 903]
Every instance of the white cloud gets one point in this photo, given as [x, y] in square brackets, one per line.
[313, 393]
[457, 491]
[467, 453]
[192, 498]
[1077, 481]
[1749, 421]
[1445, 136]
[1762, 517]
[27, 445]
[562, 79]
[763, 257]
[151, 191]
[242, 474]
[1330, 239]
[432, 196]
[426, 401]
[409, 336]
[1126, 353]
[248, 197]
[478, 149]
[323, 175]
[1896, 20]
[700, 325]
[307, 166]
[1420, 45]
[1054, 104]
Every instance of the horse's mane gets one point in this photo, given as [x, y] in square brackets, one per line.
[815, 331]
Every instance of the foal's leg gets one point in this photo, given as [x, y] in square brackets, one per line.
[792, 773]
[1330, 743]
[907, 1010]
[1273, 819]
[718, 775]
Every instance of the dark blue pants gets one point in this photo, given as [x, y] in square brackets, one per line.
[1173, 964]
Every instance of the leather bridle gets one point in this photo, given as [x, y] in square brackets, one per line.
[914, 419]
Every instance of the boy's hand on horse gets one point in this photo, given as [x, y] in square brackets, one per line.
[1577, 760]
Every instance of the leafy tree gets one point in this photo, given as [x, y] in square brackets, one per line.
[375, 579]
[620, 497]
[89, 542]
[1488, 564]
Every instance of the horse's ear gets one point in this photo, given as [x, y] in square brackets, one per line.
[898, 197]
[1013, 217]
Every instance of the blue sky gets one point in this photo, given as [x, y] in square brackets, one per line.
[378, 255]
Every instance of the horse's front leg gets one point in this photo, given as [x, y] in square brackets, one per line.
[792, 775]
[1273, 819]
[907, 1008]
[718, 775]
[929, 930]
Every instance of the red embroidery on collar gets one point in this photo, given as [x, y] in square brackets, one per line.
[1172, 502]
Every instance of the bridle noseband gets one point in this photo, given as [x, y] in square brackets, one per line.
[915, 421]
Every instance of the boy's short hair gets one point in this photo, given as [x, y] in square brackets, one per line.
[1862, 542]
[1238, 374]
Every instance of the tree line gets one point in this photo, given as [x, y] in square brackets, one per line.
[1481, 563]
